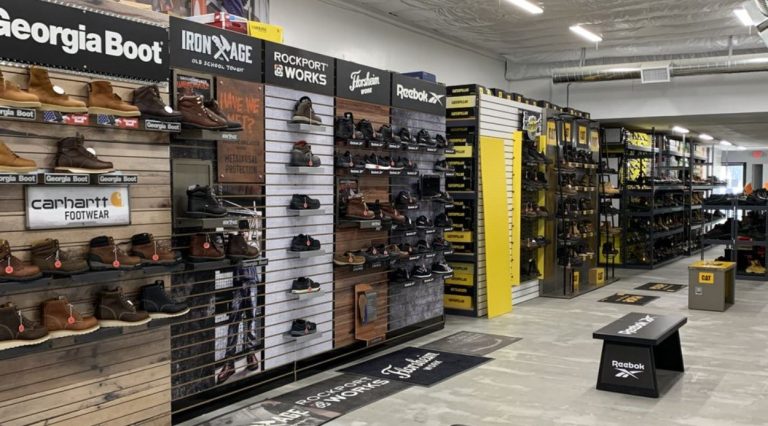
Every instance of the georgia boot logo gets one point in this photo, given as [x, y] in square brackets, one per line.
[365, 84]
[625, 370]
[217, 46]
[419, 95]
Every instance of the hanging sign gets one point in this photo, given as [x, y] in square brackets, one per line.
[53, 207]
[418, 95]
[298, 69]
[361, 83]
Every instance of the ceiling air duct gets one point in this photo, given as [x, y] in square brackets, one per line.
[758, 11]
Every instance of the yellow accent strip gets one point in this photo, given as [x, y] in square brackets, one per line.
[517, 191]
[541, 259]
[462, 102]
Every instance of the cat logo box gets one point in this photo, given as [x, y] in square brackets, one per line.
[597, 276]
[269, 32]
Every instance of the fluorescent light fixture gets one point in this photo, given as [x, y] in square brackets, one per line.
[585, 33]
[741, 148]
[681, 130]
[725, 143]
[756, 61]
[706, 137]
[623, 69]
[527, 6]
[744, 17]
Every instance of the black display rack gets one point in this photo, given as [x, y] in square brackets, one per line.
[740, 246]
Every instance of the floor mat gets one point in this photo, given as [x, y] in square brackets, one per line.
[471, 343]
[665, 287]
[628, 299]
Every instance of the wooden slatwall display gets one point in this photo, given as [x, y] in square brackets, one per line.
[284, 267]
[112, 376]
[352, 238]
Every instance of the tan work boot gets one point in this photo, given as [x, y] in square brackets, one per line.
[103, 100]
[10, 162]
[52, 98]
[152, 252]
[13, 269]
[105, 255]
[47, 255]
[12, 95]
[62, 320]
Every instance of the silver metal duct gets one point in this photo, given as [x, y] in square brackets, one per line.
[678, 68]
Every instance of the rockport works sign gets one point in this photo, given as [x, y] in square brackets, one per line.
[298, 69]
[53, 207]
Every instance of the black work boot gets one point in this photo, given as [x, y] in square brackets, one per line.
[201, 202]
[159, 304]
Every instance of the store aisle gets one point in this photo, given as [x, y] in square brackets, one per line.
[549, 376]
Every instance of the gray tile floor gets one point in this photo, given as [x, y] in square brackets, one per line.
[549, 376]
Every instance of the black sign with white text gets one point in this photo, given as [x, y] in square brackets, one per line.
[361, 83]
[418, 95]
[43, 33]
[298, 69]
[210, 50]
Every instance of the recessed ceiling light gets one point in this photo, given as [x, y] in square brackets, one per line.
[585, 33]
[527, 6]
[725, 143]
[744, 17]
[742, 148]
[706, 137]
[681, 130]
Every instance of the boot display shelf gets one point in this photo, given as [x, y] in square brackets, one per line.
[742, 251]
[208, 135]
[29, 115]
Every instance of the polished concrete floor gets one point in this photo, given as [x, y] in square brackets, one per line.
[549, 376]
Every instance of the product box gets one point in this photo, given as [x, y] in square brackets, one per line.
[465, 90]
[225, 21]
[422, 75]
[597, 276]
[269, 32]
[462, 303]
[466, 280]
[461, 113]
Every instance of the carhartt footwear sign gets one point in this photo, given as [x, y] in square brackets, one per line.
[53, 207]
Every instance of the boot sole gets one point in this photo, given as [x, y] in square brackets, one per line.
[197, 126]
[17, 169]
[198, 215]
[59, 273]
[10, 344]
[79, 170]
[59, 108]
[336, 262]
[30, 278]
[298, 119]
[118, 323]
[98, 266]
[67, 333]
[147, 262]
[236, 258]
[115, 112]
[161, 118]
[160, 315]
[205, 259]
[20, 104]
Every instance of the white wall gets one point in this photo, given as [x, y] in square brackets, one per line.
[322, 28]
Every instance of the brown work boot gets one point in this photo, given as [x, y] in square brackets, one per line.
[202, 248]
[196, 115]
[388, 211]
[232, 126]
[73, 157]
[152, 106]
[239, 249]
[153, 252]
[105, 255]
[10, 162]
[52, 98]
[303, 112]
[11, 95]
[13, 269]
[103, 100]
[62, 320]
[358, 209]
[16, 330]
[115, 310]
[47, 256]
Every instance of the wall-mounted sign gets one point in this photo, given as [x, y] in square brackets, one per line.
[43, 33]
[298, 69]
[52, 207]
[361, 83]
[242, 161]
[418, 95]
[207, 49]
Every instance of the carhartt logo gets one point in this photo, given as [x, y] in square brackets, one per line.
[626, 370]
[639, 325]
[419, 95]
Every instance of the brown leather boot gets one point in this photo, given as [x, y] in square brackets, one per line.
[52, 98]
[48, 257]
[304, 113]
[153, 252]
[232, 126]
[358, 209]
[13, 269]
[115, 310]
[16, 330]
[105, 255]
[10, 162]
[73, 157]
[12, 95]
[202, 248]
[239, 249]
[103, 100]
[62, 320]
[388, 211]
[152, 106]
[196, 115]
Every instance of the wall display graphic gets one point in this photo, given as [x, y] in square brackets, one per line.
[193, 84]
[89, 41]
[53, 207]
[242, 161]
[298, 69]
[418, 95]
[207, 49]
[362, 83]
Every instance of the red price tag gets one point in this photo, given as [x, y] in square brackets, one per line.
[155, 257]
[116, 263]
[71, 320]
[9, 269]
[310, 162]
[21, 328]
[206, 245]
[57, 264]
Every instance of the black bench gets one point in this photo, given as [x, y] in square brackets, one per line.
[639, 352]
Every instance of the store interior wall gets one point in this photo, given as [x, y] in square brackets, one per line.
[749, 158]
[356, 37]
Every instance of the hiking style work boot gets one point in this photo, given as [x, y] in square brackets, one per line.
[303, 202]
[201, 202]
[304, 114]
[52, 98]
[239, 249]
[345, 126]
[151, 252]
[196, 115]
[10, 162]
[47, 256]
[159, 304]
[16, 330]
[13, 269]
[147, 99]
[202, 248]
[62, 320]
[303, 242]
[348, 258]
[358, 209]
[103, 100]
[11, 95]
[115, 310]
[301, 327]
[213, 107]
[105, 255]
[73, 157]
[301, 155]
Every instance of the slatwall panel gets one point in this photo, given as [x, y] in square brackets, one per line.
[283, 266]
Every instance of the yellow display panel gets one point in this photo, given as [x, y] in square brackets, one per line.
[461, 102]
[706, 278]
[452, 301]
[517, 186]
[462, 151]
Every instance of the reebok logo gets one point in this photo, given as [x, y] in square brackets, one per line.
[639, 325]
[300, 69]
[365, 84]
[626, 370]
[419, 95]
[225, 50]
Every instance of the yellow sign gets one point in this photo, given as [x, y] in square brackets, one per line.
[453, 301]
[567, 132]
[462, 268]
[269, 32]
[552, 131]
[706, 278]
[461, 152]
[576, 280]
[461, 102]
[459, 237]
[594, 139]
[583, 135]
[466, 280]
